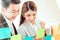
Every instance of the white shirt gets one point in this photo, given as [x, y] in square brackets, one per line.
[36, 26]
[10, 25]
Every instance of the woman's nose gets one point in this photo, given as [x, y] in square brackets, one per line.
[32, 18]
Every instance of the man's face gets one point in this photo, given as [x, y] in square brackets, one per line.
[12, 11]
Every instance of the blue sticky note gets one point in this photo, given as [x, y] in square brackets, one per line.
[28, 38]
[4, 33]
[48, 37]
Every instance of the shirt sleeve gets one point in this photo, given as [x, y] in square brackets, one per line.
[22, 32]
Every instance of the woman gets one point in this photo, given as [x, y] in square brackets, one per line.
[28, 25]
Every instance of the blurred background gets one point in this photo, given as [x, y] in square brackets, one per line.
[48, 11]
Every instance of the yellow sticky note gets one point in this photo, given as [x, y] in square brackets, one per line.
[59, 26]
[57, 37]
[55, 30]
[16, 37]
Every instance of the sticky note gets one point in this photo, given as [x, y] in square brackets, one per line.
[28, 38]
[6, 39]
[16, 37]
[48, 37]
[4, 33]
[40, 33]
[57, 37]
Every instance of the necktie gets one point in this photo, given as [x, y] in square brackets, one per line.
[14, 29]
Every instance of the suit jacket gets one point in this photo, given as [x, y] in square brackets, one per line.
[3, 23]
[25, 29]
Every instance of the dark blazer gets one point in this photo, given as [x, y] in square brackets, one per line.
[3, 23]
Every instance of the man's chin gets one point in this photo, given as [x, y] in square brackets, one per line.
[11, 19]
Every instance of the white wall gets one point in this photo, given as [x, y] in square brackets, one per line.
[48, 11]
[58, 3]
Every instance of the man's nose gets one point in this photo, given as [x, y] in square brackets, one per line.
[32, 18]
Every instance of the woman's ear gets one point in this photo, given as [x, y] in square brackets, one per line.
[23, 15]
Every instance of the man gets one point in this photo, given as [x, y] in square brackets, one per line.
[10, 9]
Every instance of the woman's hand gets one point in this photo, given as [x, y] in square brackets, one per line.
[42, 24]
[35, 38]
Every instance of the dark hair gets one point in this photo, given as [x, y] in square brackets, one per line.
[29, 5]
[6, 3]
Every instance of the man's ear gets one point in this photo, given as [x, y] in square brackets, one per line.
[3, 9]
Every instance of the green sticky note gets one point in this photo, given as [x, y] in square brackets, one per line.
[16, 37]
[40, 33]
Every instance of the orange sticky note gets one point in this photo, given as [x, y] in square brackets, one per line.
[57, 37]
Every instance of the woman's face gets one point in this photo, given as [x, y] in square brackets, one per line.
[30, 16]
